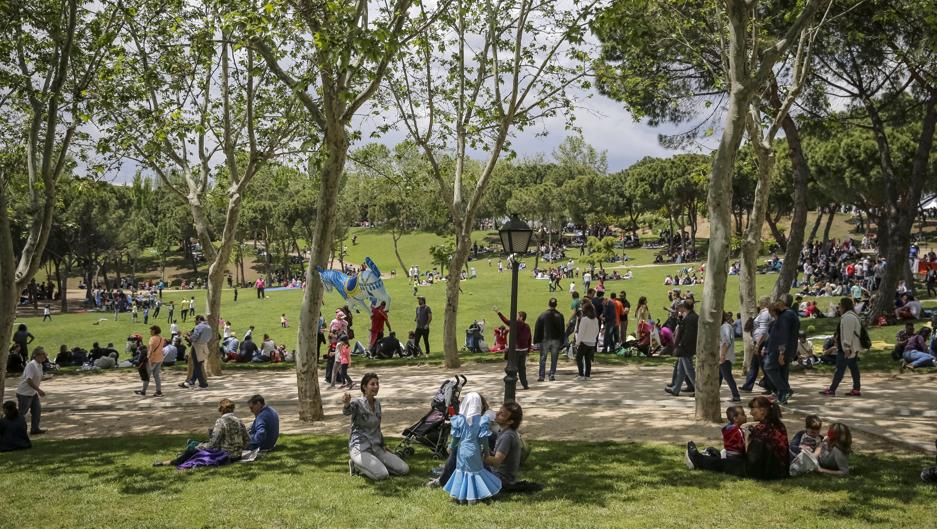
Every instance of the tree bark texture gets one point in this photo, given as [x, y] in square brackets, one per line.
[795, 240]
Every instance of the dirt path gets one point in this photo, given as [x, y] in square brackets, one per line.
[620, 403]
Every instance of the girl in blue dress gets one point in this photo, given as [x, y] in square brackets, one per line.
[471, 481]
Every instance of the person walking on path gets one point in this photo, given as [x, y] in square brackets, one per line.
[727, 355]
[424, 316]
[782, 347]
[847, 351]
[28, 391]
[154, 362]
[521, 344]
[200, 337]
[685, 350]
[760, 325]
[549, 332]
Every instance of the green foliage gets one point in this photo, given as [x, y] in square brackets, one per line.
[599, 251]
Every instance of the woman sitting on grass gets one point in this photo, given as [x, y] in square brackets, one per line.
[366, 449]
[13, 434]
[767, 454]
[227, 439]
[833, 452]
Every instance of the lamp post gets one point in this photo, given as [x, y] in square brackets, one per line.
[515, 238]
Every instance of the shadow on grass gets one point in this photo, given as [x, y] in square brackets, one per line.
[590, 474]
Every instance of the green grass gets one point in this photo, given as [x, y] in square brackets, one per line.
[478, 298]
[93, 483]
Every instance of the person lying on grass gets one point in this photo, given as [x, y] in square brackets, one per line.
[228, 438]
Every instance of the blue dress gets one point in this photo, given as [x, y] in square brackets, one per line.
[471, 481]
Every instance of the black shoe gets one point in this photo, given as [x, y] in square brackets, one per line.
[37, 432]
[745, 389]
[736, 399]
[669, 389]
[141, 393]
[540, 379]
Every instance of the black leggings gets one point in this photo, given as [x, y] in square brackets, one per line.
[584, 355]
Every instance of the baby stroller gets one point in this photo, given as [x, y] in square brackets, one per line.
[432, 430]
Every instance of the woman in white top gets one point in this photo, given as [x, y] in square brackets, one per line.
[587, 335]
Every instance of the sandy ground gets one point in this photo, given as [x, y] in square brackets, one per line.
[620, 403]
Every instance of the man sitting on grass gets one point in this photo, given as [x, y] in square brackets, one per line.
[507, 456]
[265, 430]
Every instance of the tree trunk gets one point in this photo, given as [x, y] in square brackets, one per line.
[795, 241]
[307, 382]
[751, 244]
[719, 202]
[829, 224]
[776, 232]
[215, 282]
[396, 237]
[463, 246]
[816, 227]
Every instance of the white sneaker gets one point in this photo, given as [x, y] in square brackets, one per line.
[580, 378]
[588, 378]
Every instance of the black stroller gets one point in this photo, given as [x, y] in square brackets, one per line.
[432, 431]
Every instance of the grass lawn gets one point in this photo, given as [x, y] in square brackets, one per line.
[490, 289]
[95, 483]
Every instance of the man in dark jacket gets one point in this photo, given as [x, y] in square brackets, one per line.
[782, 347]
[548, 333]
[685, 349]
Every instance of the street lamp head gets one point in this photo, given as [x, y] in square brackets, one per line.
[515, 235]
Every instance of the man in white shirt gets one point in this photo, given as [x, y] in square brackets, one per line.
[28, 391]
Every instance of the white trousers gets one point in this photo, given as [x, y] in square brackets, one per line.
[378, 463]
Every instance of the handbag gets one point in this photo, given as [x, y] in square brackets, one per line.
[804, 463]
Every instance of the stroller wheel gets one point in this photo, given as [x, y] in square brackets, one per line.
[407, 451]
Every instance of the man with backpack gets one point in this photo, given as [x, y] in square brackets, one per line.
[852, 338]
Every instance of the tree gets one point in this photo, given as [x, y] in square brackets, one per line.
[660, 63]
[470, 81]
[191, 97]
[885, 62]
[50, 60]
[333, 57]
[600, 251]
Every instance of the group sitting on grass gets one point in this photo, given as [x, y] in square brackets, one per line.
[229, 438]
[480, 464]
[762, 451]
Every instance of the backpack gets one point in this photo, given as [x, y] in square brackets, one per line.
[864, 340]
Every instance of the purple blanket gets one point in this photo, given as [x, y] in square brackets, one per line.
[206, 458]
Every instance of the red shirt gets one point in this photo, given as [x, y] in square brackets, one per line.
[733, 439]
[378, 319]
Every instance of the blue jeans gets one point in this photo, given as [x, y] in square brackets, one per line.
[725, 372]
[198, 372]
[685, 368]
[30, 404]
[608, 345]
[775, 372]
[918, 358]
[841, 364]
[753, 369]
[553, 348]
